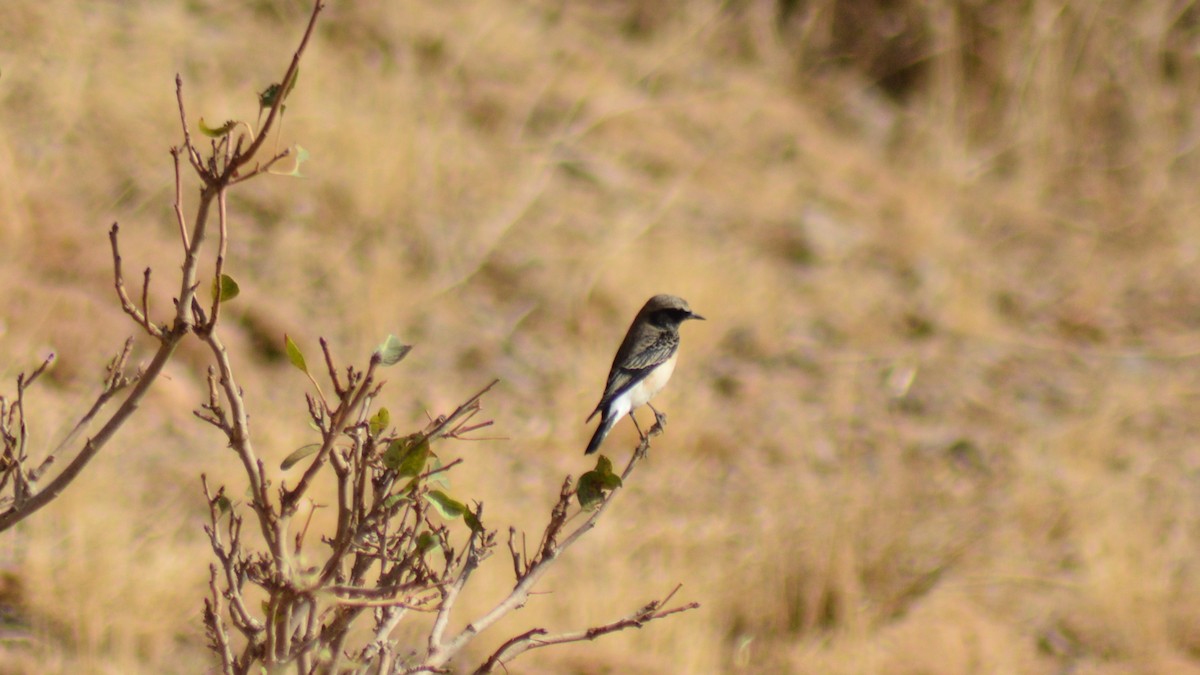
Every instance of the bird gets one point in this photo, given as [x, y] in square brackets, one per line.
[643, 364]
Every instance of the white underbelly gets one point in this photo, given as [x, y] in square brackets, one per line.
[643, 391]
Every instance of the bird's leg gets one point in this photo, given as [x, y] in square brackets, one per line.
[637, 426]
[644, 445]
[660, 421]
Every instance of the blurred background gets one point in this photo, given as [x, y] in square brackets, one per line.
[941, 418]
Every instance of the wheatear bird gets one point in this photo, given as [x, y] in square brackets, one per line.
[643, 364]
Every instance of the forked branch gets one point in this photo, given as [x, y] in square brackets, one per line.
[540, 637]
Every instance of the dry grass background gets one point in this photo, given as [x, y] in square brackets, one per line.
[942, 416]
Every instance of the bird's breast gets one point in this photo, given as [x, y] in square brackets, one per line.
[645, 390]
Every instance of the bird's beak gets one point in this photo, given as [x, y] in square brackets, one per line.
[697, 316]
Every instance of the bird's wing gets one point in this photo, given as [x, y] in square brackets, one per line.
[636, 359]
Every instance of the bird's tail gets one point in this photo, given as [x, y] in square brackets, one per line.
[606, 424]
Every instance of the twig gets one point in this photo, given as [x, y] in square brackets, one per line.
[440, 652]
[214, 609]
[113, 384]
[193, 158]
[222, 245]
[119, 281]
[16, 513]
[538, 638]
[288, 77]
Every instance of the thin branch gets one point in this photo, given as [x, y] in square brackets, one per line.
[337, 425]
[537, 637]
[288, 78]
[119, 281]
[222, 245]
[214, 609]
[179, 217]
[437, 428]
[450, 596]
[239, 440]
[265, 167]
[333, 376]
[51, 491]
[146, 301]
[440, 652]
[113, 384]
[193, 158]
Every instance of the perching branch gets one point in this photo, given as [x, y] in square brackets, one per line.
[528, 572]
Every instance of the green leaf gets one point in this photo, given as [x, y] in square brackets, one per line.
[446, 505]
[379, 422]
[589, 492]
[472, 521]
[228, 288]
[407, 456]
[304, 451]
[217, 132]
[427, 542]
[594, 483]
[266, 97]
[294, 354]
[223, 504]
[392, 350]
[301, 156]
[603, 464]
[441, 478]
[392, 500]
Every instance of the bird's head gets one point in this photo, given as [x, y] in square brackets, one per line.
[668, 310]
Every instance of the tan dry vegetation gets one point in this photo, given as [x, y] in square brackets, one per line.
[940, 420]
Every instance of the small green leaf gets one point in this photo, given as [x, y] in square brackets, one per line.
[589, 492]
[379, 422]
[217, 132]
[594, 483]
[301, 156]
[304, 451]
[392, 350]
[392, 500]
[446, 505]
[228, 288]
[266, 97]
[610, 481]
[441, 478]
[472, 521]
[407, 456]
[223, 504]
[426, 542]
[294, 354]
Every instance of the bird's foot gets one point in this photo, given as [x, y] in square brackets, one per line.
[660, 422]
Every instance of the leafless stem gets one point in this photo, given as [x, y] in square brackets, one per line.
[338, 390]
[18, 512]
[139, 316]
[218, 633]
[193, 158]
[538, 637]
[222, 244]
